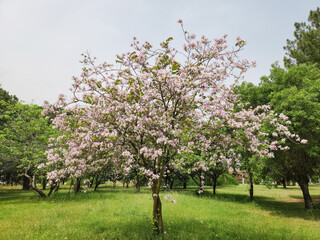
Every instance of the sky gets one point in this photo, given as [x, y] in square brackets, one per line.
[41, 41]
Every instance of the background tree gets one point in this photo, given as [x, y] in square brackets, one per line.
[5, 101]
[296, 93]
[23, 141]
[305, 48]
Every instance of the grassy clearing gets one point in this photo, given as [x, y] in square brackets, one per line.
[123, 214]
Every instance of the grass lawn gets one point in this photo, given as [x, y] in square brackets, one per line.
[121, 213]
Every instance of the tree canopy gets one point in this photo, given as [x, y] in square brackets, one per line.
[305, 47]
[296, 93]
[155, 109]
[23, 141]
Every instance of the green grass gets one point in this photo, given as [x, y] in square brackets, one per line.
[121, 213]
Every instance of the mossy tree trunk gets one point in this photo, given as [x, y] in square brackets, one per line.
[157, 213]
[157, 206]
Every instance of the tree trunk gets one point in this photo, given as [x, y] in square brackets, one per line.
[71, 183]
[306, 195]
[26, 182]
[184, 183]
[91, 182]
[283, 181]
[97, 183]
[214, 184]
[157, 214]
[34, 182]
[76, 187]
[114, 183]
[171, 184]
[137, 183]
[51, 190]
[44, 183]
[157, 208]
[251, 188]
[42, 194]
[56, 188]
[165, 185]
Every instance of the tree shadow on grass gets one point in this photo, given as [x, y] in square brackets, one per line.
[183, 228]
[230, 197]
[290, 209]
[63, 195]
[295, 209]
[17, 196]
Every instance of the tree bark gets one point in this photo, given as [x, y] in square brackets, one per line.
[51, 190]
[42, 194]
[76, 187]
[214, 184]
[26, 182]
[34, 182]
[57, 186]
[71, 183]
[303, 183]
[97, 183]
[184, 183]
[251, 187]
[283, 181]
[91, 182]
[171, 184]
[137, 183]
[44, 183]
[165, 185]
[157, 214]
[157, 207]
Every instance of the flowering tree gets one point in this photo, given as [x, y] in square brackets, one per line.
[83, 148]
[234, 136]
[136, 113]
[296, 94]
[264, 133]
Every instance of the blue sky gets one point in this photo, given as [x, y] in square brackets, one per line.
[41, 41]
